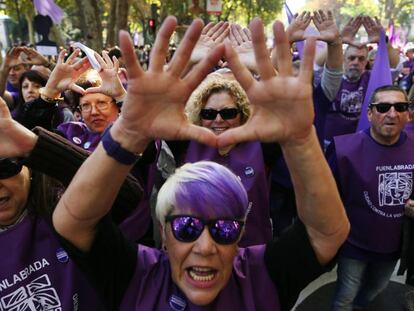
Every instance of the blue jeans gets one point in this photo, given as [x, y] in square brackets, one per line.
[359, 282]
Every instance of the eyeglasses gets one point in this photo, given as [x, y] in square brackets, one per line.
[100, 105]
[9, 168]
[384, 107]
[189, 228]
[226, 113]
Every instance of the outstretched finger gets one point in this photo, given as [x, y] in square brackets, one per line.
[203, 68]
[162, 41]
[223, 35]
[107, 59]
[82, 64]
[101, 61]
[224, 28]
[95, 89]
[132, 65]
[213, 28]
[306, 64]
[61, 57]
[72, 56]
[283, 56]
[264, 64]
[248, 34]
[207, 28]
[200, 134]
[235, 135]
[241, 73]
[76, 88]
[187, 44]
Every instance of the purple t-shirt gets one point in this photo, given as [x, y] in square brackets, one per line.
[376, 181]
[343, 116]
[36, 273]
[79, 134]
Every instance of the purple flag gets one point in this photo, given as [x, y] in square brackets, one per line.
[50, 8]
[300, 44]
[380, 76]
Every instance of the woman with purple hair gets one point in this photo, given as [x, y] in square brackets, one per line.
[203, 207]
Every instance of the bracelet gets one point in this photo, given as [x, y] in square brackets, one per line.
[47, 98]
[115, 150]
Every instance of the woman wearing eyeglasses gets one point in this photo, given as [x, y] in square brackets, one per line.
[203, 206]
[98, 96]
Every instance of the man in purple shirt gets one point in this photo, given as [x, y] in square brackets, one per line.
[382, 155]
[345, 109]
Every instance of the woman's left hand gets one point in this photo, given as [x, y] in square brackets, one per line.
[111, 84]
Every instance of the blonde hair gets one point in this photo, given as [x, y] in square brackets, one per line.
[212, 85]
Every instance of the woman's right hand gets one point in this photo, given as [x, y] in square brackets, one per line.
[65, 74]
[16, 140]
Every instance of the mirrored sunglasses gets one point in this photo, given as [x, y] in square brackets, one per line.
[189, 228]
[226, 113]
[385, 107]
[9, 168]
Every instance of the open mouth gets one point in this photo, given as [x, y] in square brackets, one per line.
[219, 130]
[3, 201]
[201, 276]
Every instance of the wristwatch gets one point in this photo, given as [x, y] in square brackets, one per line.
[115, 150]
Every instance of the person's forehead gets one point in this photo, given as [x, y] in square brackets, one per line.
[94, 97]
[352, 51]
[390, 96]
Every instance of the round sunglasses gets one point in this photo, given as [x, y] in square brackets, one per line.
[9, 168]
[226, 113]
[187, 228]
[385, 107]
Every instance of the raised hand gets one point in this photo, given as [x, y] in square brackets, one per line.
[65, 74]
[34, 57]
[241, 40]
[325, 23]
[111, 84]
[155, 101]
[212, 35]
[12, 57]
[16, 140]
[373, 28]
[296, 29]
[349, 31]
[281, 104]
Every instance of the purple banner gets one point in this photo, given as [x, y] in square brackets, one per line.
[380, 76]
[300, 44]
[50, 8]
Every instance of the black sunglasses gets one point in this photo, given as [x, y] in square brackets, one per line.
[189, 228]
[226, 113]
[9, 168]
[384, 107]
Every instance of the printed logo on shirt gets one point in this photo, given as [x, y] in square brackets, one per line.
[37, 295]
[351, 103]
[61, 255]
[394, 188]
[77, 140]
[87, 145]
[249, 171]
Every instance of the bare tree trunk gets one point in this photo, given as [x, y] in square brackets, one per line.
[111, 34]
[29, 20]
[122, 15]
[91, 23]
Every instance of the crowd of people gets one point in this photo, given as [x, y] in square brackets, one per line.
[224, 175]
